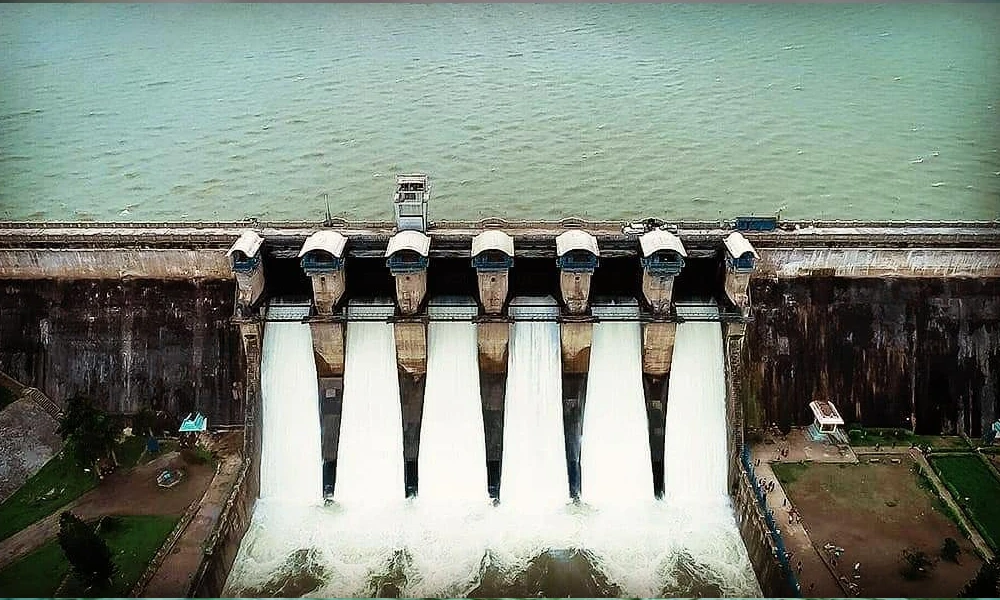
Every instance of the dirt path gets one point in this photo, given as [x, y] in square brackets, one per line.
[175, 574]
[815, 578]
[132, 492]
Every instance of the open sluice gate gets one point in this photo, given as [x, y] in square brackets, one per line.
[449, 540]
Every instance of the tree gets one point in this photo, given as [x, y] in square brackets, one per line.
[88, 554]
[950, 550]
[984, 584]
[89, 432]
[917, 565]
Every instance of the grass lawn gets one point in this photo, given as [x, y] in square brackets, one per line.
[165, 447]
[129, 451]
[31, 503]
[975, 489]
[36, 575]
[133, 541]
[788, 473]
[903, 437]
[69, 481]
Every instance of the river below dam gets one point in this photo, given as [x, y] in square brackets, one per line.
[223, 111]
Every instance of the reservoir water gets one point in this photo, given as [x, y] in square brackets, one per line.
[221, 111]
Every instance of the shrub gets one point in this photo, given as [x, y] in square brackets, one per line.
[916, 564]
[984, 584]
[950, 550]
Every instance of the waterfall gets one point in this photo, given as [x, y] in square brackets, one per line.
[291, 459]
[695, 460]
[370, 452]
[533, 471]
[615, 461]
[452, 460]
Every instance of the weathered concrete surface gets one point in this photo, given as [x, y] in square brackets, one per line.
[493, 341]
[28, 439]
[166, 345]
[879, 262]
[888, 352]
[411, 362]
[116, 263]
[759, 543]
[575, 288]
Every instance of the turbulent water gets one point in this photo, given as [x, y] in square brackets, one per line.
[614, 460]
[370, 450]
[202, 111]
[452, 465]
[619, 541]
[289, 472]
[533, 474]
[696, 414]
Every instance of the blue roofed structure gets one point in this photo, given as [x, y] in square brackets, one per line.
[195, 423]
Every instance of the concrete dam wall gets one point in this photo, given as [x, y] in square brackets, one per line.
[128, 344]
[920, 353]
[896, 324]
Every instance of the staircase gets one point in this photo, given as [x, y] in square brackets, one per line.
[35, 395]
[43, 402]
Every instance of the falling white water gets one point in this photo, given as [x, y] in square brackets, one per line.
[370, 451]
[695, 460]
[452, 459]
[615, 461]
[533, 470]
[649, 549]
[291, 459]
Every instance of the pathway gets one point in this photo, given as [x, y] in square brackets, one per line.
[816, 578]
[174, 576]
[132, 492]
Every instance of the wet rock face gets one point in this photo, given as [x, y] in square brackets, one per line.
[887, 352]
[165, 345]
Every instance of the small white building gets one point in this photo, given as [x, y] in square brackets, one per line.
[826, 417]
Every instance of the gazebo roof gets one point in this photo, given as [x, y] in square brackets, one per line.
[825, 413]
[196, 422]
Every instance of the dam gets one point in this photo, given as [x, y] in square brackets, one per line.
[511, 399]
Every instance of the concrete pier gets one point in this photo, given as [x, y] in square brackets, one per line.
[494, 348]
[492, 257]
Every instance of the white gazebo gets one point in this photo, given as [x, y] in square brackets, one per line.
[826, 417]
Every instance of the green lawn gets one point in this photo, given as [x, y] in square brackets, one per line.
[902, 437]
[967, 477]
[32, 502]
[36, 575]
[165, 447]
[788, 472]
[133, 541]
